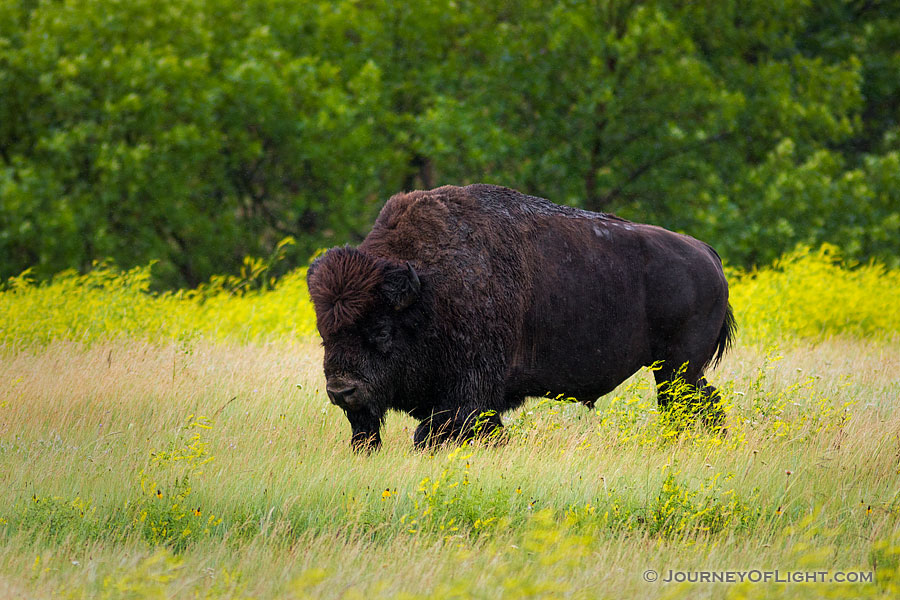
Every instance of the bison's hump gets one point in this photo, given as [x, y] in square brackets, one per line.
[479, 201]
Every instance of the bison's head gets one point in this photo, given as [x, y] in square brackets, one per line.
[364, 307]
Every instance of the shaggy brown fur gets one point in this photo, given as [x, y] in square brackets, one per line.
[344, 288]
[462, 301]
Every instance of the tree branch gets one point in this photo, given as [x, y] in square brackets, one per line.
[656, 161]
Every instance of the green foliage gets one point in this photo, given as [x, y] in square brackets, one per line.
[808, 199]
[451, 503]
[813, 294]
[178, 131]
[805, 294]
[106, 302]
[198, 132]
[167, 512]
[679, 510]
[55, 518]
[796, 411]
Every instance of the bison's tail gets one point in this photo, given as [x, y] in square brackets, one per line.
[726, 336]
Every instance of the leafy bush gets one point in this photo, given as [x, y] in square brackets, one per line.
[813, 294]
[166, 513]
[195, 132]
[55, 518]
[107, 302]
[805, 294]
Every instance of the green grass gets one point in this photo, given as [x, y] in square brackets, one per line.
[201, 469]
[180, 445]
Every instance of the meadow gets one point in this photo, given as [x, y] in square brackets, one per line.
[157, 445]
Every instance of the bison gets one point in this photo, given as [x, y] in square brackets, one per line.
[463, 301]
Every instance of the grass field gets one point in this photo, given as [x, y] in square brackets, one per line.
[197, 467]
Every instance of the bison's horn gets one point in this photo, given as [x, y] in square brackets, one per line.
[414, 282]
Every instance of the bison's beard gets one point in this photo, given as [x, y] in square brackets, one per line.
[365, 425]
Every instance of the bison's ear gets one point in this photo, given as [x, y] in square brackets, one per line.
[401, 286]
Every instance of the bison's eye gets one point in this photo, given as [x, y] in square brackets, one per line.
[380, 337]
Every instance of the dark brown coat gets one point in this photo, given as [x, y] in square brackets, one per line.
[467, 300]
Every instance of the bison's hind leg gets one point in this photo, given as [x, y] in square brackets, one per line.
[712, 406]
[684, 394]
[684, 354]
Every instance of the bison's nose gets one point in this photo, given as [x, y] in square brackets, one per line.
[341, 396]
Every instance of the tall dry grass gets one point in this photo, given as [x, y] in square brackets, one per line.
[180, 445]
[570, 506]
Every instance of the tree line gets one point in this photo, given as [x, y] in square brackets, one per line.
[196, 132]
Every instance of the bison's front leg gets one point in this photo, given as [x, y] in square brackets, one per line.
[366, 436]
[462, 424]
